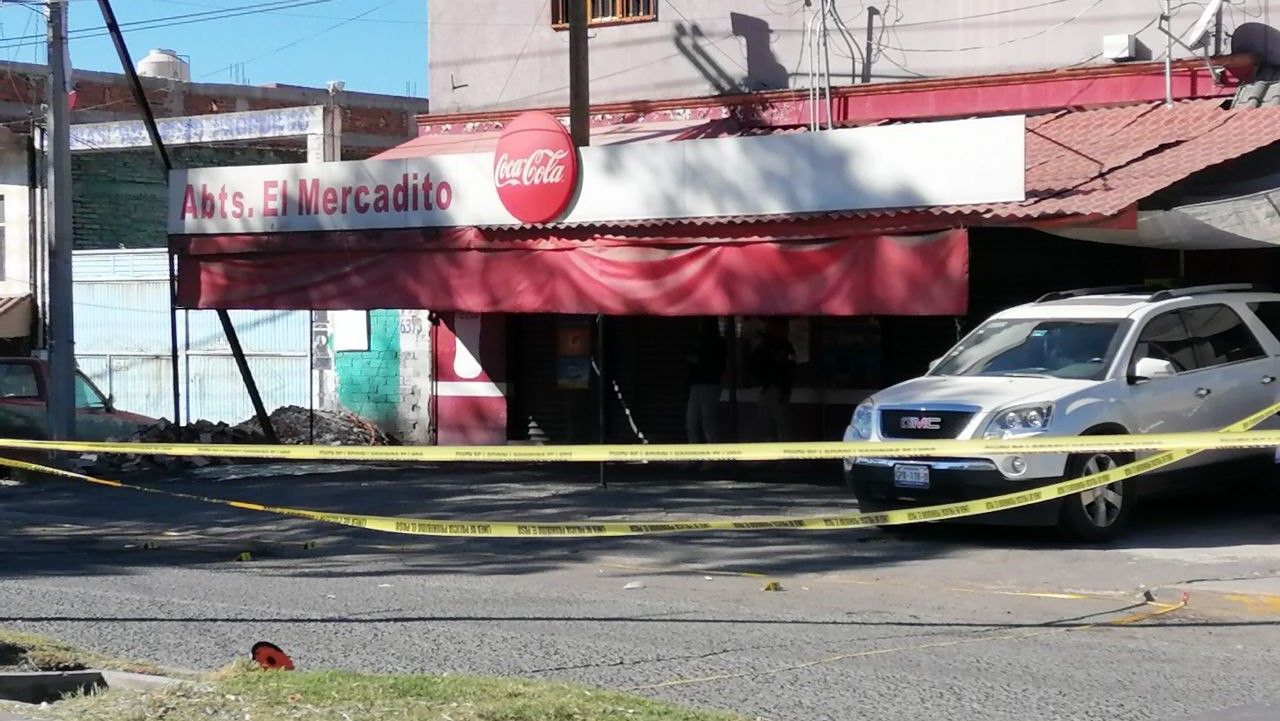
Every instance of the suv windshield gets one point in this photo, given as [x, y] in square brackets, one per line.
[1049, 348]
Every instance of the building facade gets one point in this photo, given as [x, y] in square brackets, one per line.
[577, 326]
[498, 54]
[659, 68]
[120, 197]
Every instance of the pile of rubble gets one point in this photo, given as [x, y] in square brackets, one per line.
[293, 426]
[298, 426]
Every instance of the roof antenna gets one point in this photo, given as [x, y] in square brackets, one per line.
[1196, 38]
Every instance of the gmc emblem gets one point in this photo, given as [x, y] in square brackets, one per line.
[921, 423]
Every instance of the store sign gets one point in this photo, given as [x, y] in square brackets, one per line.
[535, 168]
[954, 162]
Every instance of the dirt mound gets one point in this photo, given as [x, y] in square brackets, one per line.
[293, 426]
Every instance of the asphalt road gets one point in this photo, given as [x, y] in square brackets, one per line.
[957, 623]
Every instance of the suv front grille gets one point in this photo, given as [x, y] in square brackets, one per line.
[923, 424]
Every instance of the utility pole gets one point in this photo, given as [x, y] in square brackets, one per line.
[580, 130]
[62, 360]
[579, 86]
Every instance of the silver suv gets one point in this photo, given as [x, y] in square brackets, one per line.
[1081, 362]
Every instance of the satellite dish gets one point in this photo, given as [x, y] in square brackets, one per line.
[1198, 34]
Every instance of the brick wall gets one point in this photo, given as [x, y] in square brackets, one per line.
[120, 198]
[369, 381]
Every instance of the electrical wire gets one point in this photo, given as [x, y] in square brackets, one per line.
[177, 20]
[1011, 41]
[306, 16]
[303, 39]
[525, 46]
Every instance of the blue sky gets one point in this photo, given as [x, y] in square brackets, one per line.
[372, 45]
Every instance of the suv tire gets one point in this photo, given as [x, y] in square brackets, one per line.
[1102, 513]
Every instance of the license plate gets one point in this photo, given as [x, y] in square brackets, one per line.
[911, 476]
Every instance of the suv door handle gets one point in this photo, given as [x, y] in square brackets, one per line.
[1202, 392]
[1268, 379]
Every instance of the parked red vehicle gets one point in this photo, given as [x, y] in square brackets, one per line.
[24, 393]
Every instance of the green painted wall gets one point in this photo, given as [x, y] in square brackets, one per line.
[369, 381]
[119, 199]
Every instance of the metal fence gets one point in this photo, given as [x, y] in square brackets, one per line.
[123, 344]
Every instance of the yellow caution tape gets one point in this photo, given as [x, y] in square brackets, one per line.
[1232, 439]
[513, 529]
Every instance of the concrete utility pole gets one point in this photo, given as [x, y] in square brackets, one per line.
[579, 86]
[62, 359]
[580, 130]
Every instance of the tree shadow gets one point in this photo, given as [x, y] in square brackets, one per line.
[68, 529]
[57, 527]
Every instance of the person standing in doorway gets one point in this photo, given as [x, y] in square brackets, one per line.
[773, 365]
[706, 369]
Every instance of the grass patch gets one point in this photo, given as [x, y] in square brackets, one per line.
[341, 696]
[32, 652]
[242, 691]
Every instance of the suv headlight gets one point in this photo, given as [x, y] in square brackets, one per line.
[1022, 419]
[863, 416]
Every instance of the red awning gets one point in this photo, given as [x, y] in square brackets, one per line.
[1082, 167]
[878, 275]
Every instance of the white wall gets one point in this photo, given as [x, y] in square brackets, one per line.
[487, 54]
[17, 235]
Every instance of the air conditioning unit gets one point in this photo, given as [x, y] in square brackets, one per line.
[1120, 47]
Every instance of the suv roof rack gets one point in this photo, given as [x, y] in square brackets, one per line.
[1102, 290]
[1205, 289]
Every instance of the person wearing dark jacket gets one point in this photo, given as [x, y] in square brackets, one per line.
[705, 370]
[773, 365]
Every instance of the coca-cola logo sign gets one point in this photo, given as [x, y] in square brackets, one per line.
[535, 168]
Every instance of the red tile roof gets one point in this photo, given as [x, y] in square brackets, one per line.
[1100, 162]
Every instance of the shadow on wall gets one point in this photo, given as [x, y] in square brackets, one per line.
[692, 43]
[763, 71]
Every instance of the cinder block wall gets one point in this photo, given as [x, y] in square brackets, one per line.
[369, 381]
[389, 385]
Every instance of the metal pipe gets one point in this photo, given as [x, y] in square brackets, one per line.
[872, 12]
[1217, 32]
[33, 233]
[811, 45]
[311, 384]
[600, 399]
[237, 352]
[149, 122]
[175, 366]
[139, 96]
[826, 60]
[1167, 20]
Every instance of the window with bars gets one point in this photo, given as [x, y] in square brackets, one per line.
[606, 11]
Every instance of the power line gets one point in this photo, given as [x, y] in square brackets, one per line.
[307, 16]
[183, 19]
[312, 36]
[520, 56]
[1011, 41]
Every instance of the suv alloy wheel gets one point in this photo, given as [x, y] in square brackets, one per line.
[1101, 513]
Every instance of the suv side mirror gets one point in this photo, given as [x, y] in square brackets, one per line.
[1149, 369]
[934, 363]
[111, 403]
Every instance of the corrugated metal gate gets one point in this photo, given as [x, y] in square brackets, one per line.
[122, 343]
